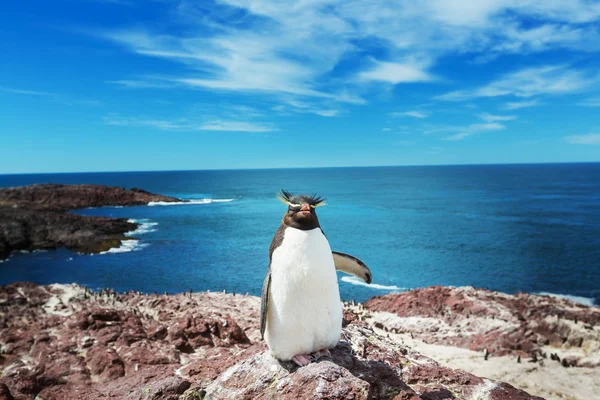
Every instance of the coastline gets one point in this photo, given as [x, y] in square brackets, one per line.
[37, 217]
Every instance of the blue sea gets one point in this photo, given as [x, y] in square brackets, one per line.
[532, 228]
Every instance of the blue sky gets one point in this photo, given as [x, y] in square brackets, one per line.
[114, 85]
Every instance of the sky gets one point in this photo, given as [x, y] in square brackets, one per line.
[124, 85]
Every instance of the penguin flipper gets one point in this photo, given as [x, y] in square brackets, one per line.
[264, 303]
[352, 265]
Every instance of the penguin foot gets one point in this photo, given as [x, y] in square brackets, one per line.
[301, 360]
[321, 353]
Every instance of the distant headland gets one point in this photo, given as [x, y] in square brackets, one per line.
[36, 217]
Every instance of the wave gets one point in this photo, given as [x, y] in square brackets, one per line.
[586, 301]
[31, 251]
[359, 282]
[189, 202]
[144, 226]
[127, 246]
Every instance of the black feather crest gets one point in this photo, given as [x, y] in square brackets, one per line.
[287, 198]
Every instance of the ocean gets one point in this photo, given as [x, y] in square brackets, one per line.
[531, 228]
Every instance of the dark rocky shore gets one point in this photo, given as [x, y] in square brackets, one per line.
[36, 217]
[65, 342]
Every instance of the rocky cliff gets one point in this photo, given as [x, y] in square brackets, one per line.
[65, 342]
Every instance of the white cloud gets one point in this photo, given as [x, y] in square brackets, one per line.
[327, 113]
[516, 105]
[142, 83]
[490, 124]
[395, 73]
[280, 49]
[303, 107]
[386, 129]
[592, 138]
[528, 82]
[414, 114]
[466, 131]
[185, 125]
[493, 118]
[24, 91]
[593, 102]
[234, 126]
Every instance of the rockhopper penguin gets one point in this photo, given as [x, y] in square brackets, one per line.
[301, 311]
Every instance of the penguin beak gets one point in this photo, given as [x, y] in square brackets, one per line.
[305, 209]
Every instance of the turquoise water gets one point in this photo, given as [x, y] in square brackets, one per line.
[533, 228]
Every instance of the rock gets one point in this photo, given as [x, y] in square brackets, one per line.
[262, 377]
[5, 393]
[479, 319]
[35, 217]
[388, 371]
[105, 363]
[165, 389]
[59, 342]
[57, 197]
[193, 394]
[198, 331]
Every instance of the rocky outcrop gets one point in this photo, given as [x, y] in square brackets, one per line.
[56, 197]
[477, 319]
[64, 342]
[364, 365]
[35, 217]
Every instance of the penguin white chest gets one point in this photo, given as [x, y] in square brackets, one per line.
[305, 311]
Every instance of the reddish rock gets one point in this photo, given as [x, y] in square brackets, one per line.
[64, 342]
[105, 363]
[480, 319]
[198, 331]
[364, 365]
[5, 393]
[165, 389]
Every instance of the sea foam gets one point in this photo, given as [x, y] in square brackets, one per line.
[126, 246]
[586, 301]
[356, 281]
[144, 226]
[189, 202]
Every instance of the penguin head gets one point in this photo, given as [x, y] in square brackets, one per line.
[302, 210]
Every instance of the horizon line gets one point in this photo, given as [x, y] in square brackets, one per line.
[300, 168]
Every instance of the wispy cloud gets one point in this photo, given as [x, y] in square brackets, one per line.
[142, 83]
[386, 129]
[396, 73]
[434, 151]
[303, 107]
[593, 102]
[185, 125]
[63, 99]
[25, 91]
[472, 129]
[493, 118]
[528, 82]
[589, 139]
[270, 47]
[517, 105]
[414, 114]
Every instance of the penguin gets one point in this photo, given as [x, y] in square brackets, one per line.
[301, 311]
